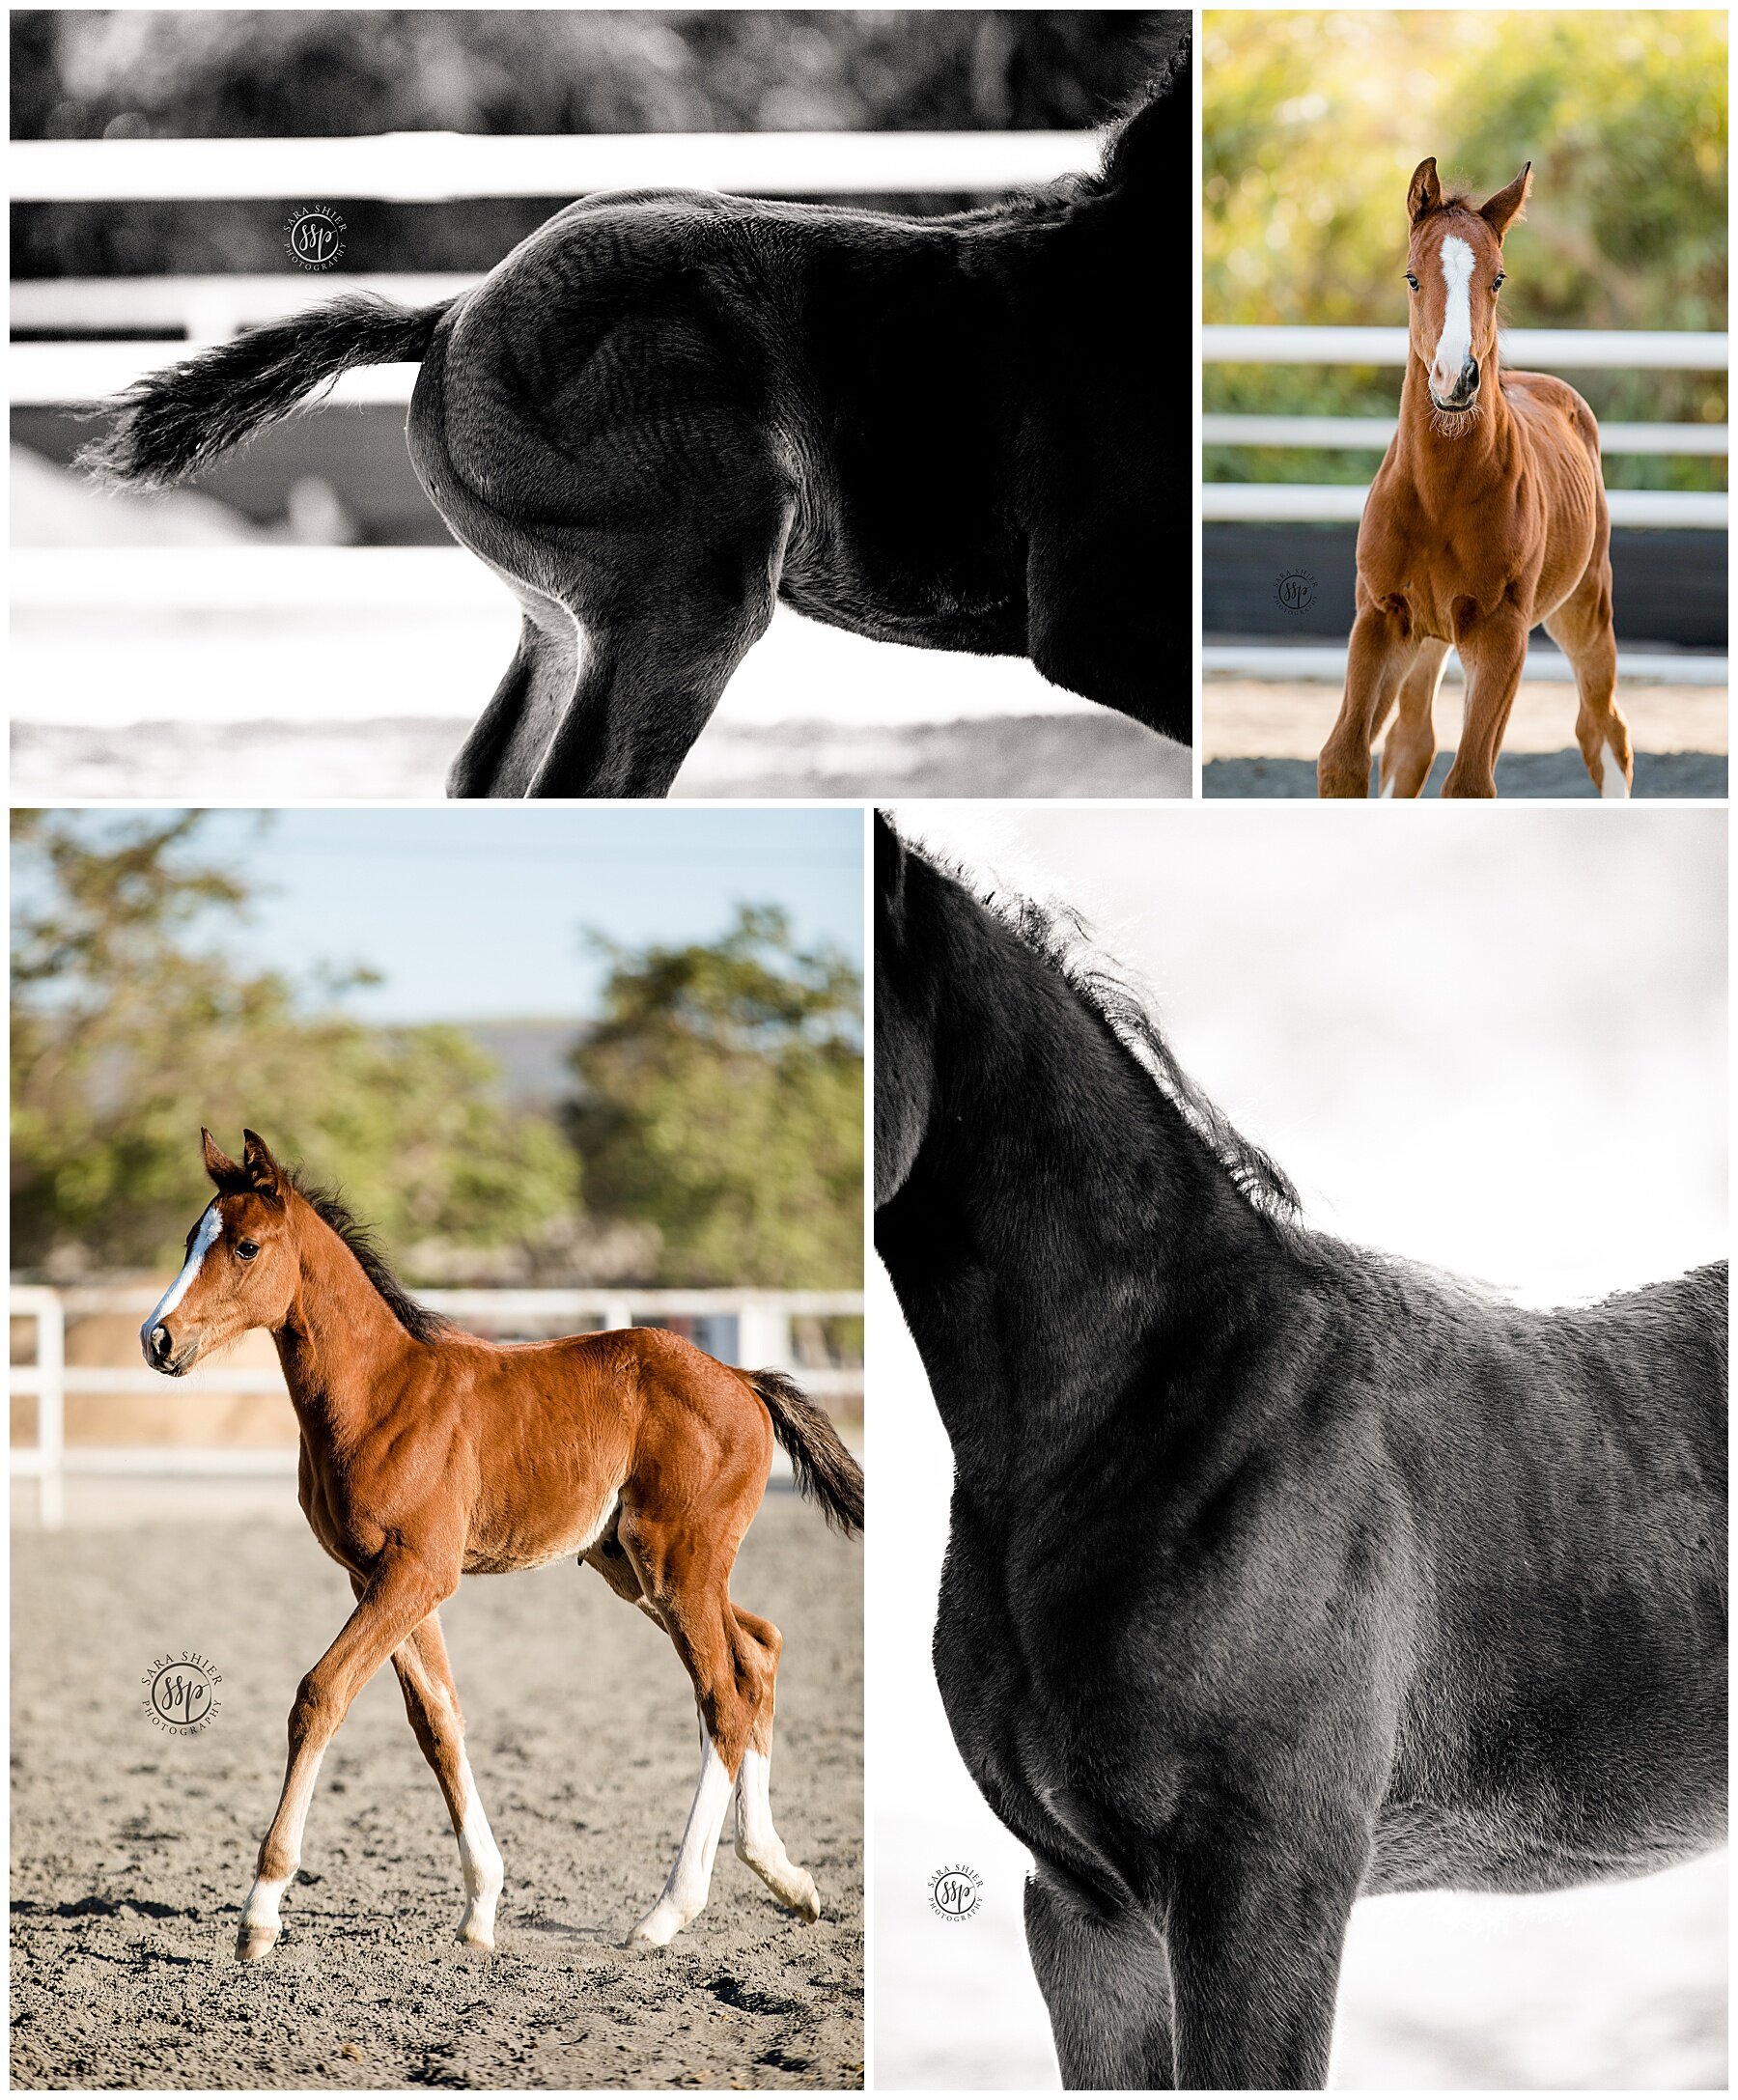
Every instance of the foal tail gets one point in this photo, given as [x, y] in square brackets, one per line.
[172, 423]
[825, 1470]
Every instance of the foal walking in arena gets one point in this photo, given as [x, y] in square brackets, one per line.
[1486, 519]
[428, 1455]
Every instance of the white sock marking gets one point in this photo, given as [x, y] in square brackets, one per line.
[1612, 786]
[1456, 343]
[759, 1845]
[685, 1893]
[479, 1862]
[210, 1225]
[260, 1913]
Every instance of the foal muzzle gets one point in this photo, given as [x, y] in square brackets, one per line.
[1465, 395]
[161, 1352]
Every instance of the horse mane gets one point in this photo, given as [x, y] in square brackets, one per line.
[1137, 142]
[1058, 935]
[419, 1322]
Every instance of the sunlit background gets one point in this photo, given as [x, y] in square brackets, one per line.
[1496, 1044]
[1312, 124]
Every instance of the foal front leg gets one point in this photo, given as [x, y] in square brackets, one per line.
[1376, 659]
[394, 1601]
[1255, 1925]
[432, 1700]
[1107, 1987]
[1492, 652]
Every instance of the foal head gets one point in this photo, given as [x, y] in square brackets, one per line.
[241, 1264]
[1454, 267]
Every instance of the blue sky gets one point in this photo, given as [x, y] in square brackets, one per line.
[474, 913]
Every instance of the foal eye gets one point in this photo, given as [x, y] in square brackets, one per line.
[247, 1248]
[1497, 283]
[1412, 280]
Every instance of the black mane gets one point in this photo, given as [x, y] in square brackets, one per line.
[1057, 935]
[417, 1321]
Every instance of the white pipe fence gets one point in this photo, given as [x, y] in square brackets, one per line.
[1546, 349]
[1284, 661]
[434, 167]
[764, 1341]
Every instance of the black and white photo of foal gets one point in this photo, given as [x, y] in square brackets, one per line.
[1280, 1572]
[668, 411]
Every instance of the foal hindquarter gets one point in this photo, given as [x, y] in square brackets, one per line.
[604, 457]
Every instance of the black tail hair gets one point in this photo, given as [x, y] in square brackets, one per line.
[173, 422]
[825, 1470]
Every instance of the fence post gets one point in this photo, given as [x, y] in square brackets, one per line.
[617, 1312]
[763, 1337]
[51, 1410]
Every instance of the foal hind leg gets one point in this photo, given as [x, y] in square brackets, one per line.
[432, 1700]
[663, 638]
[537, 688]
[1410, 745]
[758, 1844]
[688, 1586]
[1582, 629]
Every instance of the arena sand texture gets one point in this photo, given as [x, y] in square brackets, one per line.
[132, 1849]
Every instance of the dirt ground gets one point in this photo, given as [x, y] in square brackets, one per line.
[132, 1849]
[1018, 755]
[1260, 738]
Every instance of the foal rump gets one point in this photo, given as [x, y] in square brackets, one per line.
[174, 422]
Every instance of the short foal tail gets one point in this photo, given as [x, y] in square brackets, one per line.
[826, 1471]
[174, 422]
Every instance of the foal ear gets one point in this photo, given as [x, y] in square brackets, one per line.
[222, 1169]
[1502, 211]
[889, 867]
[1424, 192]
[260, 1168]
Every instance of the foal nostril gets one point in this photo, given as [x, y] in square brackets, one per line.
[1469, 378]
[159, 1345]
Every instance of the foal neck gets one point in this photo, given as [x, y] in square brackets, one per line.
[1439, 454]
[1063, 1225]
[339, 1340]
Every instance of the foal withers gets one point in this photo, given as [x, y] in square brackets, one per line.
[1486, 519]
[428, 1455]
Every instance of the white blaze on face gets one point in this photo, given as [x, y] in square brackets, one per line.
[211, 1226]
[1455, 345]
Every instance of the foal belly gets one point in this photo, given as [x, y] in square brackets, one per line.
[505, 1544]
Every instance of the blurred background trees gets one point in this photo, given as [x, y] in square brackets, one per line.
[1312, 125]
[714, 1134]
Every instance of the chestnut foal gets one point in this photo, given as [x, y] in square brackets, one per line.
[1486, 518]
[428, 1455]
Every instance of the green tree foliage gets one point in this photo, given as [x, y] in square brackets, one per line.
[130, 1029]
[721, 1098]
[1313, 124]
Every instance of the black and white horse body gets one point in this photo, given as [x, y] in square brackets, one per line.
[1281, 1573]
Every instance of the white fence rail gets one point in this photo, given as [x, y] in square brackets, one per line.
[1548, 349]
[763, 1341]
[1284, 661]
[434, 167]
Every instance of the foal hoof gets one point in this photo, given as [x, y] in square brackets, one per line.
[253, 1943]
[807, 1905]
[479, 1936]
